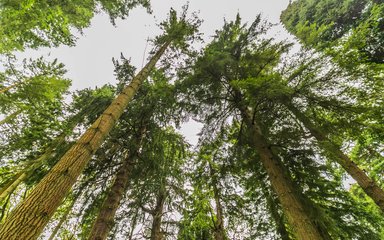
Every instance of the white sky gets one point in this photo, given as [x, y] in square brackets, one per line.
[89, 62]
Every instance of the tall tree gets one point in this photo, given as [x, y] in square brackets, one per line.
[369, 186]
[47, 195]
[220, 65]
[83, 107]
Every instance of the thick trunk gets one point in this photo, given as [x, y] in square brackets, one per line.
[157, 214]
[105, 218]
[30, 217]
[369, 186]
[303, 226]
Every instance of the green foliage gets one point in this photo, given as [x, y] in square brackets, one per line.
[239, 67]
[351, 31]
[33, 24]
[33, 103]
[182, 31]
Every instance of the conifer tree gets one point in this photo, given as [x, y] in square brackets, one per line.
[48, 194]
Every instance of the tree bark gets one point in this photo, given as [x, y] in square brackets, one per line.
[105, 219]
[157, 214]
[293, 207]
[219, 231]
[370, 187]
[30, 217]
[272, 205]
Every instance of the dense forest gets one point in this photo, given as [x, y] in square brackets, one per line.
[291, 145]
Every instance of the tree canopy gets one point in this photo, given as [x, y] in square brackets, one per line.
[291, 144]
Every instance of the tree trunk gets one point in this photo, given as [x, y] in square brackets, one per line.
[219, 224]
[369, 186]
[10, 117]
[12, 185]
[272, 205]
[4, 208]
[30, 217]
[303, 226]
[63, 218]
[5, 89]
[105, 219]
[157, 214]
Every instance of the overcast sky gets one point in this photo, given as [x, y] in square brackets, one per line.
[89, 62]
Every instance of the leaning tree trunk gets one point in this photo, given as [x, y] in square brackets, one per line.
[12, 185]
[303, 226]
[105, 219]
[4, 208]
[5, 89]
[30, 217]
[369, 186]
[157, 214]
[10, 117]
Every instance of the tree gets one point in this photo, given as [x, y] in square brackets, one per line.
[326, 24]
[47, 195]
[83, 107]
[45, 23]
[219, 66]
[220, 83]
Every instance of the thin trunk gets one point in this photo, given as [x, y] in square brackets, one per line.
[10, 117]
[4, 207]
[370, 187]
[219, 224]
[156, 233]
[303, 226]
[62, 219]
[12, 185]
[133, 224]
[3, 90]
[105, 219]
[30, 217]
